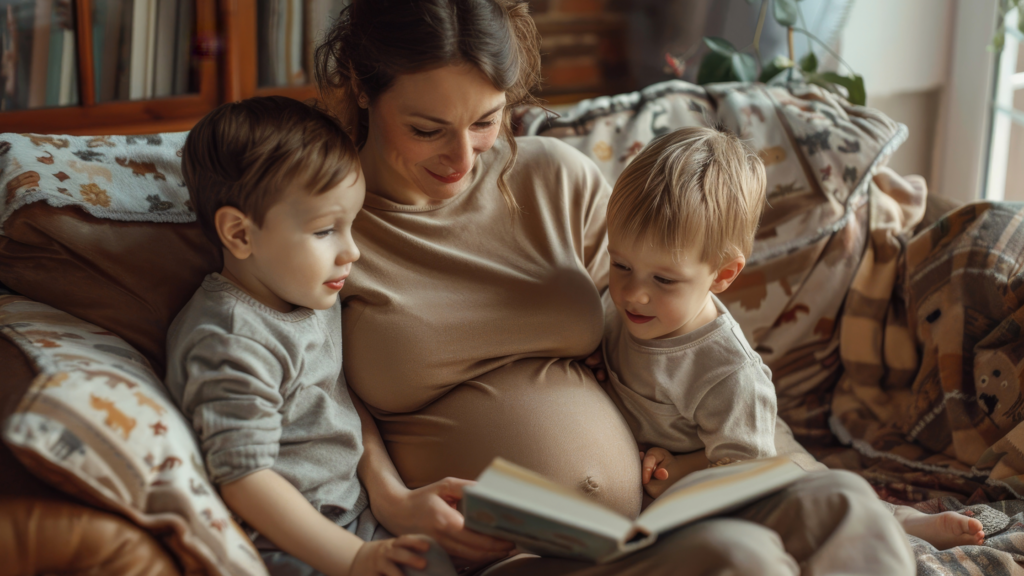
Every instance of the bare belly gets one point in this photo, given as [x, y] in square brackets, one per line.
[546, 414]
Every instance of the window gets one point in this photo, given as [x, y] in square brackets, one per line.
[1005, 171]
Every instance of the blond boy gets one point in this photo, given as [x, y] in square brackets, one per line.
[681, 224]
[254, 358]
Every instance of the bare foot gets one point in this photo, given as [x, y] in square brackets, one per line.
[945, 530]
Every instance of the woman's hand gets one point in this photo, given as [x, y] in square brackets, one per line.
[431, 510]
[596, 364]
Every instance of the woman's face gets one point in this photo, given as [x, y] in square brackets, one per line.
[426, 132]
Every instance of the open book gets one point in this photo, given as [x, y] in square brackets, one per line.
[546, 518]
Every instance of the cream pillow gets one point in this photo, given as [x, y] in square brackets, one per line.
[97, 423]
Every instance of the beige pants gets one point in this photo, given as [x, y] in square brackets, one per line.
[829, 522]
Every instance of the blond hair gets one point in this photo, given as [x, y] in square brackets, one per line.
[692, 187]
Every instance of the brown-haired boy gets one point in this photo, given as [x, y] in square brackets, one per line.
[681, 224]
[254, 358]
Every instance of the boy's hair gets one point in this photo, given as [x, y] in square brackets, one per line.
[694, 186]
[247, 154]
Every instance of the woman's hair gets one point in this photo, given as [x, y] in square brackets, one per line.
[692, 187]
[247, 154]
[375, 41]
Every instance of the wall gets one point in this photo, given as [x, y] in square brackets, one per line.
[902, 48]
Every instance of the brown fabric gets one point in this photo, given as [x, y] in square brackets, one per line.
[39, 536]
[126, 277]
[461, 326]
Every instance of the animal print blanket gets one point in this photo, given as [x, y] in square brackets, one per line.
[134, 178]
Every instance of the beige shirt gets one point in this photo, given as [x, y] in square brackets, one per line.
[445, 293]
[705, 389]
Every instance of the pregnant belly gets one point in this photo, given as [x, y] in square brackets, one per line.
[546, 414]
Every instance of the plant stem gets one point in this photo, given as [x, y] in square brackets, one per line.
[823, 45]
[789, 39]
[757, 32]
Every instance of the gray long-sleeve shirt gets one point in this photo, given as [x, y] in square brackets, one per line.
[265, 389]
[706, 389]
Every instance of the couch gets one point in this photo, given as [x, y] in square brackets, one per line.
[99, 250]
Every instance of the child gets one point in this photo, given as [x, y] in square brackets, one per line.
[681, 223]
[254, 358]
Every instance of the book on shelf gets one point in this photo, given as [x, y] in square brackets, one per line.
[185, 28]
[40, 53]
[517, 504]
[37, 53]
[166, 36]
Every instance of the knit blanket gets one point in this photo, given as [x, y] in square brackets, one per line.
[133, 178]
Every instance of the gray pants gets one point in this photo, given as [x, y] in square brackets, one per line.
[368, 529]
[829, 522]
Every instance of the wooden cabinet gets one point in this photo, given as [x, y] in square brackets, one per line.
[233, 48]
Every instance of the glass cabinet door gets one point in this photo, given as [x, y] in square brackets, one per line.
[143, 49]
[287, 33]
[38, 55]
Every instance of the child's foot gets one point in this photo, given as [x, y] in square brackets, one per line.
[945, 530]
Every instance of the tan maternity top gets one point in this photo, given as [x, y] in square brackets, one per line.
[464, 327]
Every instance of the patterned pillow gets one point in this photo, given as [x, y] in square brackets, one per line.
[97, 423]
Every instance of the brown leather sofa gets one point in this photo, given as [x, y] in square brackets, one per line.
[131, 279]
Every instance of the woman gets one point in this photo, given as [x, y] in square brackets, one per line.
[478, 292]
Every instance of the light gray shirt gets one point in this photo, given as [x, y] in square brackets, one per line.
[264, 389]
[706, 389]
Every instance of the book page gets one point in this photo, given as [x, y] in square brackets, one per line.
[717, 490]
[511, 485]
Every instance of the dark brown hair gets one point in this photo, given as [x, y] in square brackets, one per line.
[247, 154]
[375, 41]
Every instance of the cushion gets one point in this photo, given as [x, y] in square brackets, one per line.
[101, 227]
[97, 423]
[129, 278]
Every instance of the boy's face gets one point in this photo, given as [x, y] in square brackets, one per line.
[658, 296]
[304, 250]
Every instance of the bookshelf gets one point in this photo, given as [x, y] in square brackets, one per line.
[127, 116]
[237, 49]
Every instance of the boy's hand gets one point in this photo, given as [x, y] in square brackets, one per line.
[654, 471]
[382, 557]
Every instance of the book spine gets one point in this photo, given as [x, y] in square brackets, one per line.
[68, 88]
[183, 47]
[150, 49]
[166, 34]
[106, 82]
[137, 68]
[53, 66]
[40, 54]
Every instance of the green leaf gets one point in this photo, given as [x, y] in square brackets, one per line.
[854, 85]
[997, 41]
[772, 69]
[809, 63]
[744, 67]
[785, 12]
[720, 45]
[714, 67]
